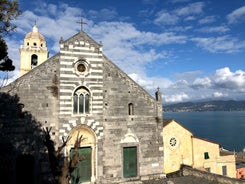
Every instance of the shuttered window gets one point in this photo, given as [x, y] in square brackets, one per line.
[224, 170]
[206, 156]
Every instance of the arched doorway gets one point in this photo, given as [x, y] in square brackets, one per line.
[85, 170]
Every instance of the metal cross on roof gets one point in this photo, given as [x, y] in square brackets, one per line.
[81, 22]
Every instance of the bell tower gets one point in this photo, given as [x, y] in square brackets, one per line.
[33, 52]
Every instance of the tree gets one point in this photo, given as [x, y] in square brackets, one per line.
[6, 64]
[4, 49]
[9, 10]
[62, 167]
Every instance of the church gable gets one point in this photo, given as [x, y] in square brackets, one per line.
[177, 142]
[80, 41]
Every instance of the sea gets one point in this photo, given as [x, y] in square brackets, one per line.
[226, 128]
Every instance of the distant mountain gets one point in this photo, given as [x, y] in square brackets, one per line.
[219, 105]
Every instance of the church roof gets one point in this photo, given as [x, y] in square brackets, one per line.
[34, 34]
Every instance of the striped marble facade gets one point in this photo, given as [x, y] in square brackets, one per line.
[76, 48]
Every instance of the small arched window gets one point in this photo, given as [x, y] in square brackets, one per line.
[34, 60]
[81, 98]
[130, 109]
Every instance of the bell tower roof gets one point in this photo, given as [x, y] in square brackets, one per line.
[35, 34]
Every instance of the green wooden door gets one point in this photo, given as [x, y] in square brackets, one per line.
[129, 162]
[82, 172]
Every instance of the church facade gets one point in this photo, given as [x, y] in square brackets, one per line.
[79, 91]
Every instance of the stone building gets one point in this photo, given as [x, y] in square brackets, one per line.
[81, 91]
[181, 147]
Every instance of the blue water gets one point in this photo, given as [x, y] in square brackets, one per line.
[225, 128]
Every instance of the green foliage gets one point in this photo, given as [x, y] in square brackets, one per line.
[6, 64]
[4, 49]
[9, 10]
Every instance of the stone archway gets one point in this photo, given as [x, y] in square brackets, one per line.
[86, 171]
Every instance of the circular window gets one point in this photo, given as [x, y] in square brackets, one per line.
[81, 67]
[173, 142]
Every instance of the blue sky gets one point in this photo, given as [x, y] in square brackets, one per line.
[191, 50]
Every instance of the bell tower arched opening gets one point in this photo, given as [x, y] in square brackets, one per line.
[34, 60]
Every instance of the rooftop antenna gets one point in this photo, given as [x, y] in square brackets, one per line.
[81, 22]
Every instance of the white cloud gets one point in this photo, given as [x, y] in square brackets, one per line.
[204, 82]
[222, 44]
[236, 15]
[219, 94]
[150, 38]
[234, 81]
[181, 29]
[166, 18]
[175, 98]
[207, 19]
[191, 9]
[137, 45]
[115, 32]
[190, 18]
[188, 76]
[216, 29]
[151, 83]
[223, 83]
[180, 85]
[107, 14]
